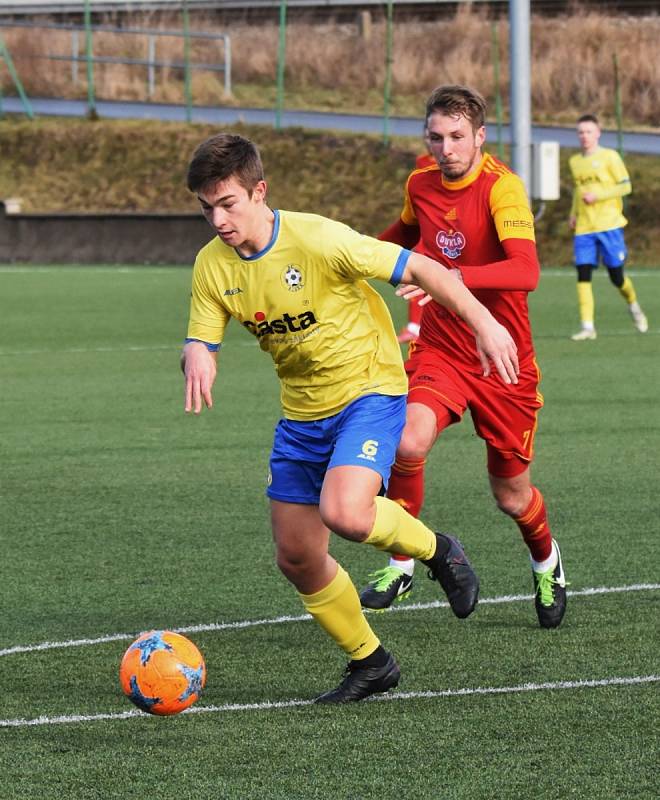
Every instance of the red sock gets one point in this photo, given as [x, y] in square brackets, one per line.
[415, 311]
[406, 485]
[533, 524]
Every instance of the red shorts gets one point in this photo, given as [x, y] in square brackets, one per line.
[504, 416]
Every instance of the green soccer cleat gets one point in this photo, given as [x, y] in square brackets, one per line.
[550, 593]
[388, 585]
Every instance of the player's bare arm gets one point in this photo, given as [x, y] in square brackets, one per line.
[494, 342]
[199, 368]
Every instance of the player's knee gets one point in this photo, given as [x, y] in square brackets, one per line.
[616, 276]
[294, 564]
[414, 444]
[510, 502]
[348, 520]
[584, 272]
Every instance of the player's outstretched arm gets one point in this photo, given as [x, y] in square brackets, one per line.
[199, 368]
[494, 342]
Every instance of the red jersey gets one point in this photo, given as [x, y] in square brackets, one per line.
[483, 226]
[424, 160]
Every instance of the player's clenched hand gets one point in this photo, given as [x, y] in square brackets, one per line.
[199, 368]
[494, 344]
[409, 292]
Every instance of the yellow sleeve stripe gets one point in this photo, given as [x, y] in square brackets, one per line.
[427, 168]
[494, 168]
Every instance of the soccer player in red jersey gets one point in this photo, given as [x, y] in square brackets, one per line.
[470, 212]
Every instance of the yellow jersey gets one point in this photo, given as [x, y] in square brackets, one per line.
[306, 300]
[604, 174]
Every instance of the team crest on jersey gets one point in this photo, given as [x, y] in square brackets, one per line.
[450, 243]
[292, 278]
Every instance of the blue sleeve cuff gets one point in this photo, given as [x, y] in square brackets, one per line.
[399, 267]
[212, 348]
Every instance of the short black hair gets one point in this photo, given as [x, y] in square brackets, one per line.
[222, 156]
[589, 118]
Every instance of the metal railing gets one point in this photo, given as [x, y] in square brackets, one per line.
[31, 7]
[151, 62]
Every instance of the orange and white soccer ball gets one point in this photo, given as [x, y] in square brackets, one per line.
[162, 672]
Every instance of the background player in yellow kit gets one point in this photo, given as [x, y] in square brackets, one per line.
[298, 283]
[601, 181]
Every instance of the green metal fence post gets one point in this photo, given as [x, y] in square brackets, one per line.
[498, 93]
[281, 58]
[89, 56]
[617, 105]
[4, 53]
[187, 88]
[389, 59]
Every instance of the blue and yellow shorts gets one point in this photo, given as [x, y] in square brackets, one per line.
[608, 246]
[366, 433]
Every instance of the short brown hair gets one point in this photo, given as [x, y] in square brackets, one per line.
[455, 101]
[589, 118]
[222, 156]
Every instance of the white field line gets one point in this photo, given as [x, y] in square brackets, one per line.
[395, 696]
[144, 270]
[548, 272]
[562, 272]
[399, 609]
[252, 343]
[127, 348]
[554, 272]
[68, 350]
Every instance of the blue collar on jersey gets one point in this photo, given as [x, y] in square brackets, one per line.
[273, 239]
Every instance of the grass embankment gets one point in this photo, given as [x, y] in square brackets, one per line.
[342, 66]
[76, 165]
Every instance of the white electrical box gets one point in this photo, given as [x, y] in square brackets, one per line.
[545, 171]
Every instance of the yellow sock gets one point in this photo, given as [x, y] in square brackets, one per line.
[338, 611]
[585, 303]
[628, 291]
[396, 531]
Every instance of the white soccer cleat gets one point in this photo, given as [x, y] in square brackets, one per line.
[639, 320]
[584, 335]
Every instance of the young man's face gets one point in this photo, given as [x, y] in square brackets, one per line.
[588, 134]
[454, 145]
[232, 212]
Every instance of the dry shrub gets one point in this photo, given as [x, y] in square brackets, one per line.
[40, 76]
[573, 64]
[572, 67]
[455, 50]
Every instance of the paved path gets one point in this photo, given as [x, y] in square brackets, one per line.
[647, 143]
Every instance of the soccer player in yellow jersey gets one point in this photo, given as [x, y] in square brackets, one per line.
[601, 181]
[298, 283]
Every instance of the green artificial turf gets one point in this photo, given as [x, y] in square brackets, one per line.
[119, 514]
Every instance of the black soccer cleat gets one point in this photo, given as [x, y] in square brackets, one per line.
[550, 593]
[454, 573]
[388, 585]
[360, 682]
